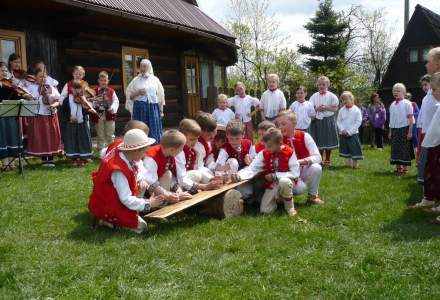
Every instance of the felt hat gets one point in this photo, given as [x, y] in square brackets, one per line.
[135, 139]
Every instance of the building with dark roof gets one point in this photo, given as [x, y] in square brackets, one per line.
[189, 50]
[408, 62]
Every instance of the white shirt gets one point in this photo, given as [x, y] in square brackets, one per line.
[153, 86]
[43, 109]
[76, 111]
[272, 102]
[151, 175]
[349, 120]
[314, 154]
[223, 116]
[257, 166]
[426, 112]
[243, 107]
[120, 183]
[304, 113]
[399, 113]
[432, 137]
[327, 99]
[201, 153]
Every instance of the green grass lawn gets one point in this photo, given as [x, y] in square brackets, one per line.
[362, 243]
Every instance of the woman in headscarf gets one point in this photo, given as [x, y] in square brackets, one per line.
[145, 99]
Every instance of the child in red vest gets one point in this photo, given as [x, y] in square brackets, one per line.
[235, 153]
[307, 153]
[280, 167]
[132, 124]
[263, 127]
[116, 199]
[165, 168]
[106, 104]
[192, 131]
[204, 147]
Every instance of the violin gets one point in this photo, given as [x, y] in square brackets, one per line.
[20, 91]
[84, 92]
[45, 90]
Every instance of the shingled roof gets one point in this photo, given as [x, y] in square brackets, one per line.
[180, 13]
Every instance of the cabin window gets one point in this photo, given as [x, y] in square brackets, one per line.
[218, 76]
[425, 54]
[131, 59]
[191, 76]
[413, 55]
[13, 42]
[204, 78]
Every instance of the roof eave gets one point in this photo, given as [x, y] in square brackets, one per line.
[115, 12]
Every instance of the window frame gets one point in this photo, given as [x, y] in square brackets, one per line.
[19, 38]
[410, 50]
[133, 52]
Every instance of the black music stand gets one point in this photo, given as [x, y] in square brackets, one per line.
[17, 109]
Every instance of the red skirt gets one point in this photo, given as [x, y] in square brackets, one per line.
[44, 136]
[432, 174]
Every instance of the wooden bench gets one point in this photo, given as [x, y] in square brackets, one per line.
[167, 211]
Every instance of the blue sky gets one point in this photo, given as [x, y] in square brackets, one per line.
[293, 14]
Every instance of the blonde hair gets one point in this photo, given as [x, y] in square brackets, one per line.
[239, 83]
[173, 139]
[103, 74]
[349, 95]
[401, 86]
[235, 127]
[274, 77]
[206, 121]
[189, 126]
[80, 69]
[265, 125]
[222, 97]
[291, 115]
[323, 78]
[435, 80]
[434, 53]
[273, 135]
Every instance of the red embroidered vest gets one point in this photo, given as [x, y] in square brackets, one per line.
[259, 147]
[104, 202]
[298, 143]
[276, 162]
[163, 163]
[108, 116]
[208, 148]
[114, 144]
[190, 158]
[239, 155]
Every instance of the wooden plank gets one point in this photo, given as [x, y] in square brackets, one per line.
[172, 209]
[88, 52]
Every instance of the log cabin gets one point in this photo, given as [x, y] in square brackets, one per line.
[189, 50]
[408, 62]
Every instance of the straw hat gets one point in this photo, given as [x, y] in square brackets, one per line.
[135, 139]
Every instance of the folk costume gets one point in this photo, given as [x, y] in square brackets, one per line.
[323, 127]
[76, 130]
[349, 120]
[310, 175]
[243, 112]
[284, 168]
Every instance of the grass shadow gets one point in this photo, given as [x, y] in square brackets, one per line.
[413, 225]
[85, 232]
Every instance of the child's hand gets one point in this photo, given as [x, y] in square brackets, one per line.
[235, 177]
[247, 160]
[172, 198]
[157, 201]
[268, 177]
[214, 184]
[184, 196]
[409, 136]
[142, 187]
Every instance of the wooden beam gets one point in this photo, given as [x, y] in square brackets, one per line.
[87, 52]
[167, 211]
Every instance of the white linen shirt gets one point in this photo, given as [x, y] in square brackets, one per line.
[43, 109]
[399, 113]
[327, 99]
[243, 107]
[76, 110]
[120, 183]
[272, 102]
[304, 113]
[427, 111]
[349, 119]
[257, 166]
[153, 86]
[223, 116]
[432, 137]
